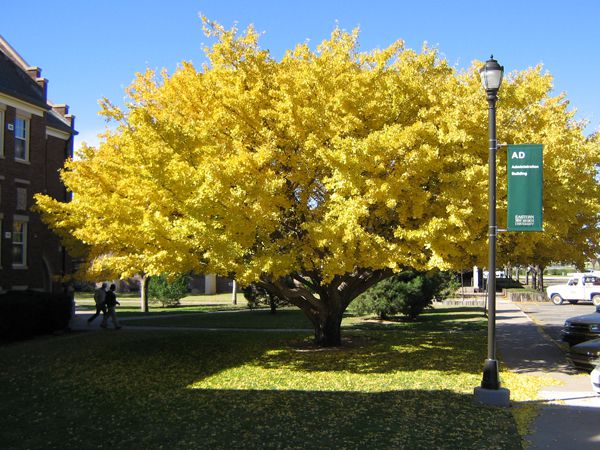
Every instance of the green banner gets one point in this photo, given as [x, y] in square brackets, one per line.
[525, 181]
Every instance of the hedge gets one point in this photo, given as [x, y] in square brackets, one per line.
[24, 314]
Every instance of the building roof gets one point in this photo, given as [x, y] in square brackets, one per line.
[55, 120]
[16, 82]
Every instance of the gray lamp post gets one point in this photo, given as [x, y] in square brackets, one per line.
[490, 392]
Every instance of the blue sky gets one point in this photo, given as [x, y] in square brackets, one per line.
[90, 49]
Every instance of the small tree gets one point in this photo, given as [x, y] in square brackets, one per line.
[256, 296]
[168, 293]
[407, 293]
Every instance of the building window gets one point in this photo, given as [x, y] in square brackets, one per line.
[19, 242]
[22, 139]
[21, 199]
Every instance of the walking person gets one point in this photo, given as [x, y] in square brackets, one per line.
[111, 306]
[99, 299]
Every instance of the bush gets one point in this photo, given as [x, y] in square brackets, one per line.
[167, 293]
[407, 293]
[84, 286]
[507, 283]
[24, 314]
[257, 296]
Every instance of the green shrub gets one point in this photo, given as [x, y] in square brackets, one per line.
[167, 293]
[407, 293]
[257, 296]
[24, 314]
[507, 283]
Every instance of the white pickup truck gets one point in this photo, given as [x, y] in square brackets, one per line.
[580, 287]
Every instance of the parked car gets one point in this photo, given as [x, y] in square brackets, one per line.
[585, 356]
[595, 379]
[580, 287]
[581, 328]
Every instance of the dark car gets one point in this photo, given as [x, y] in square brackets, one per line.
[582, 328]
[585, 356]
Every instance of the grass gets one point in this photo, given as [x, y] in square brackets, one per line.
[408, 385]
[444, 318]
[260, 318]
[130, 304]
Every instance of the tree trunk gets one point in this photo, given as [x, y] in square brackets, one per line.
[272, 305]
[234, 293]
[328, 330]
[144, 293]
[324, 304]
[541, 278]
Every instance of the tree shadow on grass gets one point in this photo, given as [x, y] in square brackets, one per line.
[201, 354]
[382, 352]
[243, 319]
[225, 419]
[465, 319]
[132, 390]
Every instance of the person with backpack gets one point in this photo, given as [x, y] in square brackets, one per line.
[99, 299]
[111, 305]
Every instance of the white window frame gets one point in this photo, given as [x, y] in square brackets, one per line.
[27, 125]
[23, 242]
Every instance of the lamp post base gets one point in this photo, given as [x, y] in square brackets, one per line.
[492, 397]
[491, 377]
[490, 392]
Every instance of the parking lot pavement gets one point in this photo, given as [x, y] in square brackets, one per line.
[570, 413]
[552, 317]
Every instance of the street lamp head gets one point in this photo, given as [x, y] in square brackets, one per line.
[491, 75]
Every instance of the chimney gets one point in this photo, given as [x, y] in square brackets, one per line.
[43, 83]
[62, 109]
[34, 72]
[71, 120]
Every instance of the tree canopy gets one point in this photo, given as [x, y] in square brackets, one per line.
[319, 174]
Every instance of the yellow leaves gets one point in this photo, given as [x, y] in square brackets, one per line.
[326, 160]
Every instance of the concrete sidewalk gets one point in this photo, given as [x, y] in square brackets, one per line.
[570, 413]
[79, 322]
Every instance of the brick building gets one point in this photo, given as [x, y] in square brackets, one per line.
[35, 139]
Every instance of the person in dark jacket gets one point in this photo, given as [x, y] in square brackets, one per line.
[111, 304]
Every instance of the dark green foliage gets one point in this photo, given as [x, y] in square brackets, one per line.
[84, 286]
[168, 293]
[24, 314]
[507, 283]
[257, 296]
[407, 293]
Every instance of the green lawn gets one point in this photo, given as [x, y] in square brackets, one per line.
[406, 387]
[260, 318]
[443, 318]
[130, 304]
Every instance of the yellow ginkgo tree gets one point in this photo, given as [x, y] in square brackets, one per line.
[314, 176]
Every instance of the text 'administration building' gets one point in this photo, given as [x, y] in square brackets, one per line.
[35, 139]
